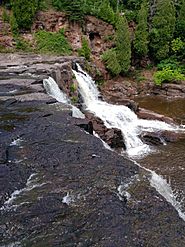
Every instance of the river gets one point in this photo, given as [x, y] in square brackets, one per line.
[61, 187]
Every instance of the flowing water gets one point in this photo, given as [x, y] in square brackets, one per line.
[121, 117]
[53, 90]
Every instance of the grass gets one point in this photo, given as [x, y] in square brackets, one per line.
[52, 43]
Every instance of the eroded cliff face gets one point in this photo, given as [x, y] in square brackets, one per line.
[98, 33]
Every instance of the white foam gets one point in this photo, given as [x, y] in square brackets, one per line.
[30, 185]
[119, 116]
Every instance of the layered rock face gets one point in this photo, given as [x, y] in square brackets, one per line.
[27, 72]
[59, 186]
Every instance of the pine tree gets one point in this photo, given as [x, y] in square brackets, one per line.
[163, 26]
[123, 44]
[74, 9]
[141, 34]
[24, 12]
[106, 12]
[180, 25]
[111, 61]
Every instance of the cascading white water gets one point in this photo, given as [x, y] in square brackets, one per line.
[118, 116]
[54, 91]
[121, 117]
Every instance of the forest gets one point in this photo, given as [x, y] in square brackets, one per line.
[159, 30]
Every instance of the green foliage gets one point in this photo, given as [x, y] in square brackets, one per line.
[22, 45]
[74, 99]
[5, 16]
[54, 43]
[73, 88]
[130, 14]
[133, 4]
[74, 9]
[141, 33]
[163, 25]
[14, 25]
[177, 45]
[123, 44]
[172, 64]
[168, 75]
[106, 12]
[111, 62]
[168, 63]
[24, 12]
[85, 51]
[180, 24]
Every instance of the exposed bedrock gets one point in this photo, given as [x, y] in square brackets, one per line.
[59, 185]
[161, 137]
[113, 137]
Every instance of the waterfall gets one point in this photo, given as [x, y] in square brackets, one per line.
[54, 91]
[118, 116]
[121, 117]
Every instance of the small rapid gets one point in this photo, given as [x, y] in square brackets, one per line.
[121, 117]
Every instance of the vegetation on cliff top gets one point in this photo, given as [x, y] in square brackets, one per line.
[159, 28]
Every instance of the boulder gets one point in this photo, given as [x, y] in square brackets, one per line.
[161, 137]
[113, 137]
[84, 124]
[150, 115]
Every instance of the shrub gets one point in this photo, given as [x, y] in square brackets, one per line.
[14, 25]
[24, 12]
[167, 75]
[85, 51]
[111, 62]
[73, 88]
[54, 43]
[5, 16]
[23, 45]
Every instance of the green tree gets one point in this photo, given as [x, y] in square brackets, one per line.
[74, 9]
[141, 34]
[180, 24]
[163, 25]
[24, 12]
[123, 44]
[106, 12]
[111, 62]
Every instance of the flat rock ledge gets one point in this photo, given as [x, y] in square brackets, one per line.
[59, 184]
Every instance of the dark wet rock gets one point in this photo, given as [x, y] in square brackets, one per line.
[129, 103]
[71, 197]
[170, 136]
[150, 115]
[152, 138]
[113, 137]
[84, 124]
[161, 137]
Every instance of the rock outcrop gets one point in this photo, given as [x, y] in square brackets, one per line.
[113, 137]
[58, 184]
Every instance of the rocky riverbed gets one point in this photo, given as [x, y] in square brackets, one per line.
[59, 185]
